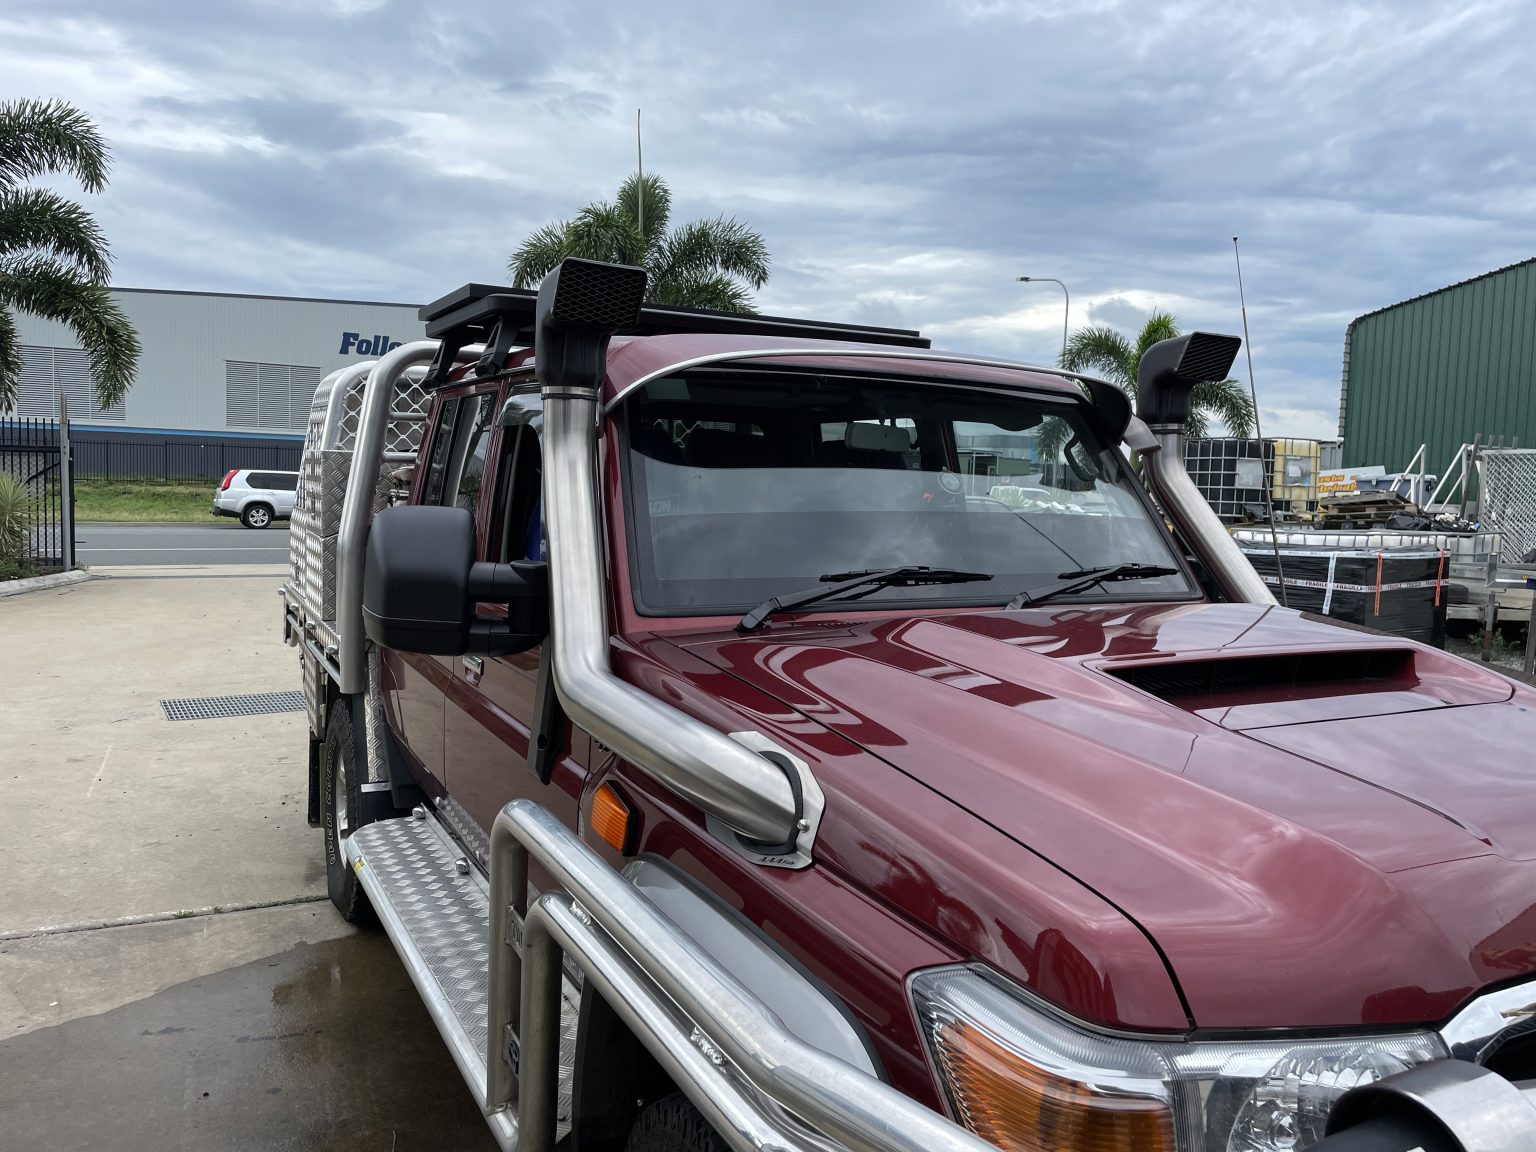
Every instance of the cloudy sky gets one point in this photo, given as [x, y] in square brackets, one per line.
[905, 159]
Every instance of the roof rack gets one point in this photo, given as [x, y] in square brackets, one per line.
[502, 318]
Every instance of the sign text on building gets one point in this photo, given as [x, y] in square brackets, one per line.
[366, 345]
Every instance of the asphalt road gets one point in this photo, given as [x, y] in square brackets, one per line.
[223, 542]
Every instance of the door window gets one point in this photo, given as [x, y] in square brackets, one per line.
[469, 457]
[442, 449]
[458, 451]
[520, 511]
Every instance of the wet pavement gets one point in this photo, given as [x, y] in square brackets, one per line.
[321, 1046]
[171, 973]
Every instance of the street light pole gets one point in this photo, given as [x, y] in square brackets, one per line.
[1065, 312]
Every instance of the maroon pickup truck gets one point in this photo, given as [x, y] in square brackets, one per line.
[765, 733]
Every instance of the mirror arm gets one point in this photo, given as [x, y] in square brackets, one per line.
[504, 582]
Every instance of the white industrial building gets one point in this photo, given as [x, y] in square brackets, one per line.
[218, 373]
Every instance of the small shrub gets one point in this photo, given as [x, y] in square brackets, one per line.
[15, 520]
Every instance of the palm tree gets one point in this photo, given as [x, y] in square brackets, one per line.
[1099, 350]
[702, 264]
[54, 260]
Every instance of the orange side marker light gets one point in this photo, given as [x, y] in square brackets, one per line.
[613, 820]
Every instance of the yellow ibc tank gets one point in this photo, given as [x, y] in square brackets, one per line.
[1297, 463]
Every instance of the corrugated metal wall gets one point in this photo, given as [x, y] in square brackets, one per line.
[1440, 369]
[190, 338]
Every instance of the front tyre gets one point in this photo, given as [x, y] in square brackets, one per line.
[345, 809]
[673, 1124]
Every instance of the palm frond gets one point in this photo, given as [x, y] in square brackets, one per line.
[701, 264]
[1102, 351]
[703, 291]
[1051, 438]
[41, 136]
[53, 291]
[1159, 326]
[36, 219]
[712, 247]
[10, 360]
[658, 205]
[16, 501]
[537, 256]
[1099, 350]
[605, 231]
[1226, 400]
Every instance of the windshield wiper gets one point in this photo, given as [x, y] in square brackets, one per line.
[865, 582]
[1069, 582]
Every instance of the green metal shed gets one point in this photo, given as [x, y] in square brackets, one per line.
[1440, 369]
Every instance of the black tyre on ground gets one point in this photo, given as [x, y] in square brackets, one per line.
[256, 516]
[345, 807]
[673, 1124]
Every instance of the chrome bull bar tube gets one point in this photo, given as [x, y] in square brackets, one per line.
[1184, 504]
[761, 1087]
[745, 790]
[1443, 1104]
[555, 927]
[730, 1054]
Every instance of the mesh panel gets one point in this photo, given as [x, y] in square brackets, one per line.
[1208, 356]
[1508, 478]
[598, 294]
[217, 707]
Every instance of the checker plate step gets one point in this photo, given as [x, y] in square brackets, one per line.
[444, 915]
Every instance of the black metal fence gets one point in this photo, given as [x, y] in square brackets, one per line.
[31, 452]
[174, 459]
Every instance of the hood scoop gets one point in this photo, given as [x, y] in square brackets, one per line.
[1243, 692]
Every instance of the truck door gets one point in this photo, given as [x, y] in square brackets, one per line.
[415, 684]
[490, 704]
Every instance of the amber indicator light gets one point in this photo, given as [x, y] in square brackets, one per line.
[1021, 1108]
[613, 820]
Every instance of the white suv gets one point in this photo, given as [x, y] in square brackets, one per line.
[257, 498]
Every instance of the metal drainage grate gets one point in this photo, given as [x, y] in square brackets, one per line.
[214, 707]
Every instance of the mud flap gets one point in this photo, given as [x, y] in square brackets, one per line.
[547, 728]
[314, 815]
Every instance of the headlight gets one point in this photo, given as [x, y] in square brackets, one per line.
[1027, 1079]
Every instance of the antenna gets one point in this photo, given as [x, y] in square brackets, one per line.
[1258, 430]
[640, 176]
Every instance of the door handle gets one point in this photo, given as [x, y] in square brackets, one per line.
[474, 665]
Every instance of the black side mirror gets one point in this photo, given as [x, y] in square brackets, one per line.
[1113, 407]
[421, 583]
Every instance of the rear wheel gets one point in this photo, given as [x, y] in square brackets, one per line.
[256, 516]
[346, 807]
[673, 1124]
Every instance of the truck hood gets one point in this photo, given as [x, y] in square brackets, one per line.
[1316, 825]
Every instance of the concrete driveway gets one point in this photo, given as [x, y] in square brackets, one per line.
[171, 975]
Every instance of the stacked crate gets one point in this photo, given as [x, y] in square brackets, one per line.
[1231, 474]
[1235, 475]
[1398, 590]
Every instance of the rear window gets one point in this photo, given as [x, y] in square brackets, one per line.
[273, 481]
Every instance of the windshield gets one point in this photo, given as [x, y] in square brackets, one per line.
[748, 485]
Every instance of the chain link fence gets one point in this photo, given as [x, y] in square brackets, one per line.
[1507, 488]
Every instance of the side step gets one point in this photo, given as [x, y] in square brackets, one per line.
[435, 907]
